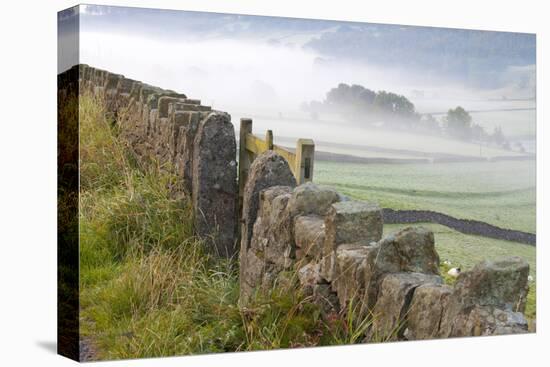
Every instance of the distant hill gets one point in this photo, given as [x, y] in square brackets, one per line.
[478, 56]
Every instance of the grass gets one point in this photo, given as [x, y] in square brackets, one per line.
[147, 289]
[499, 193]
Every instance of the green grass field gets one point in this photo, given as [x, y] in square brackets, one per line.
[499, 193]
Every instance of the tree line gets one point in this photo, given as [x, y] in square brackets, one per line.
[390, 110]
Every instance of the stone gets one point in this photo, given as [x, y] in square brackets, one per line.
[250, 276]
[309, 276]
[279, 247]
[353, 222]
[309, 198]
[411, 249]
[392, 305]
[502, 283]
[349, 278]
[349, 222]
[270, 244]
[326, 299]
[488, 320]
[426, 310]
[309, 235]
[184, 154]
[267, 170]
[215, 184]
[489, 286]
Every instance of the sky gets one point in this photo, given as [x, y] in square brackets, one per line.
[269, 66]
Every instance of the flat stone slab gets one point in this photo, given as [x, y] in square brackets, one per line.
[310, 198]
[349, 222]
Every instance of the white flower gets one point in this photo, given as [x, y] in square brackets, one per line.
[454, 272]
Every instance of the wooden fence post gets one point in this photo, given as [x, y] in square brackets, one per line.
[305, 152]
[244, 159]
[269, 139]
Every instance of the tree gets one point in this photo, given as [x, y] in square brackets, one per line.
[430, 123]
[351, 96]
[459, 123]
[357, 103]
[498, 136]
[478, 133]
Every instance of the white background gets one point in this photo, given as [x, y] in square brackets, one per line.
[28, 54]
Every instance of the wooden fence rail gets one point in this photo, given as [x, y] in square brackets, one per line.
[250, 146]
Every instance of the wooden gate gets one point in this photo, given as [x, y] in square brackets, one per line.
[250, 146]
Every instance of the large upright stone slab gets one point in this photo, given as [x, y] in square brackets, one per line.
[215, 184]
[502, 283]
[268, 169]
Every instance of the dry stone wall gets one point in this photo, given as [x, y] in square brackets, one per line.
[179, 134]
[332, 248]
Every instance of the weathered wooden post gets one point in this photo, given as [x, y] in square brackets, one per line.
[305, 151]
[244, 158]
[269, 139]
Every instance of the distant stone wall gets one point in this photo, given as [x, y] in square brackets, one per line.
[178, 134]
[467, 226]
[332, 248]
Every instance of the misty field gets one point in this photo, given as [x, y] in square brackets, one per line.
[337, 136]
[499, 193]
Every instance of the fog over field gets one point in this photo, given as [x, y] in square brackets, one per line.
[266, 68]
